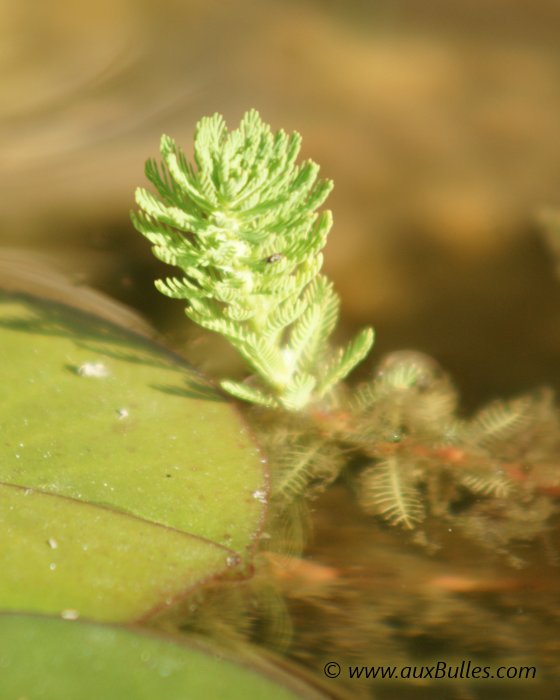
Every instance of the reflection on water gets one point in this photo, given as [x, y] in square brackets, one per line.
[438, 123]
[394, 604]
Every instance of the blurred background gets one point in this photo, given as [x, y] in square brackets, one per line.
[437, 121]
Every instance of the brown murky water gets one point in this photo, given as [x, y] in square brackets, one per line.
[439, 124]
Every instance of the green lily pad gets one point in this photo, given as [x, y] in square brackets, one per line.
[50, 659]
[64, 556]
[125, 449]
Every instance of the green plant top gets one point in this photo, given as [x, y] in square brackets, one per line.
[242, 225]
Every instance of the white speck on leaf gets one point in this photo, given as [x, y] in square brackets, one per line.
[69, 614]
[260, 495]
[122, 413]
[97, 370]
[53, 544]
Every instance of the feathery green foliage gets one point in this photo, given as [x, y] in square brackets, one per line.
[389, 488]
[426, 464]
[241, 224]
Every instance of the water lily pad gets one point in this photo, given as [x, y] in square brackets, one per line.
[128, 439]
[72, 558]
[50, 659]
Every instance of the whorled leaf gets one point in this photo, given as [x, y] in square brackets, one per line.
[241, 223]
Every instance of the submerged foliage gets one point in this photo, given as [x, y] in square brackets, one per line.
[477, 474]
[241, 224]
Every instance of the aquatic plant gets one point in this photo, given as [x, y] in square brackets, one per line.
[241, 223]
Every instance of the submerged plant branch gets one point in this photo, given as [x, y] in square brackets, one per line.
[242, 225]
